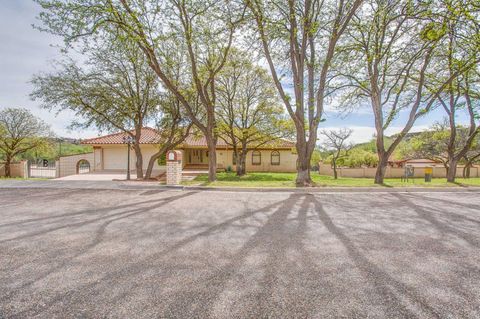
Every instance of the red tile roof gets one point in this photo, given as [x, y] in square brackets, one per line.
[200, 141]
[148, 136]
[151, 136]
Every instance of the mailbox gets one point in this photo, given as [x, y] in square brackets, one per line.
[174, 156]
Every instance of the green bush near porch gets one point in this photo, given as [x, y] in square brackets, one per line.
[229, 179]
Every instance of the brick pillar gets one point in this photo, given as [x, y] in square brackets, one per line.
[174, 168]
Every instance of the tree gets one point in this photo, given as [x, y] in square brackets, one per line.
[20, 131]
[299, 39]
[431, 144]
[113, 89]
[435, 144]
[459, 94]
[201, 32]
[471, 157]
[394, 50]
[249, 114]
[336, 144]
[173, 126]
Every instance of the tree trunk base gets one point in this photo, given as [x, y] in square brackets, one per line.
[304, 179]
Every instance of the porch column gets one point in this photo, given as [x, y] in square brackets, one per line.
[174, 168]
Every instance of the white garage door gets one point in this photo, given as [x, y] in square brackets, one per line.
[116, 158]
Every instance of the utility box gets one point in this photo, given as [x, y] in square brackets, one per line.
[174, 167]
[428, 174]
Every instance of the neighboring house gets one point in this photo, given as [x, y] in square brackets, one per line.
[110, 153]
[423, 162]
[414, 162]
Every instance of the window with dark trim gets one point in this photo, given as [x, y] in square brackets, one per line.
[275, 158]
[256, 158]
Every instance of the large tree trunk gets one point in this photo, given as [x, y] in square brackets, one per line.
[303, 165]
[381, 168]
[151, 162]
[466, 170]
[139, 160]
[452, 170]
[8, 160]
[212, 158]
[335, 175]
[242, 161]
[238, 163]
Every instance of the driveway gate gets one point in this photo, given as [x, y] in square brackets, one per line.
[42, 169]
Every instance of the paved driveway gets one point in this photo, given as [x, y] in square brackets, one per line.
[80, 253]
[96, 176]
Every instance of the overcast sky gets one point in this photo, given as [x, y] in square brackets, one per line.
[25, 51]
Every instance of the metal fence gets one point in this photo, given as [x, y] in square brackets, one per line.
[42, 169]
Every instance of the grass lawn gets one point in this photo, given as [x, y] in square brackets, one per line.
[288, 180]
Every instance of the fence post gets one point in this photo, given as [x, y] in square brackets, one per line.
[57, 168]
[27, 174]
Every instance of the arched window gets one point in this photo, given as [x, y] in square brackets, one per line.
[275, 158]
[256, 158]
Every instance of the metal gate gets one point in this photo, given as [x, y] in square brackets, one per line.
[42, 169]
[83, 167]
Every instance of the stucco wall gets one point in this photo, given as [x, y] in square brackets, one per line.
[326, 169]
[288, 161]
[16, 169]
[67, 165]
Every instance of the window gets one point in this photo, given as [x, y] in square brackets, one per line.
[256, 158]
[275, 158]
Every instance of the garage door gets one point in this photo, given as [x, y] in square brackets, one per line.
[115, 158]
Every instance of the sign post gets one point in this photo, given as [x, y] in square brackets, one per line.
[409, 172]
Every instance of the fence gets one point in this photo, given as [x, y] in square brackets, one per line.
[368, 172]
[42, 169]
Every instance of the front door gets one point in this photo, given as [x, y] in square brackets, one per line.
[197, 157]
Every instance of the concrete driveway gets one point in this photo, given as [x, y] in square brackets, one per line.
[96, 176]
[79, 253]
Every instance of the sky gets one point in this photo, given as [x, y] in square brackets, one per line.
[25, 51]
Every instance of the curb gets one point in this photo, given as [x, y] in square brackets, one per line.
[471, 189]
[153, 186]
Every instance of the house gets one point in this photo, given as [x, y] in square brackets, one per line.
[110, 153]
[414, 162]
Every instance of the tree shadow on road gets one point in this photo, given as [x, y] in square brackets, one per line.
[443, 228]
[99, 233]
